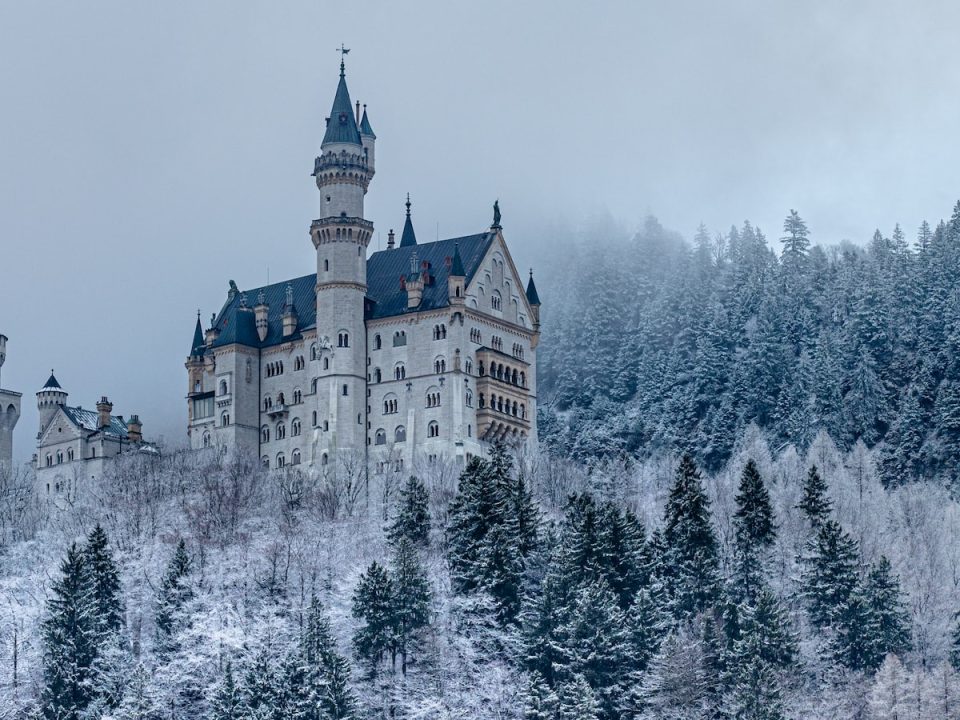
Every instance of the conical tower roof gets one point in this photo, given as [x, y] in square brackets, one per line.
[409, 237]
[51, 383]
[198, 342]
[456, 267]
[532, 297]
[365, 128]
[342, 124]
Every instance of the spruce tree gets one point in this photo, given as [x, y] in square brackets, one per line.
[261, 694]
[815, 503]
[413, 515]
[756, 693]
[854, 639]
[753, 518]
[373, 604]
[955, 643]
[888, 613]
[578, 701]
[540, 702]
[691, 565]
[70, 633]
[227, 702]
[411, 601]
[325, 672]
[765, 633]
[831, 575]
[175, 592]
[104, 581]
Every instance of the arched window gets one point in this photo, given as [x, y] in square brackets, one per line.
[495, 301]
[313, 418]
[433, 429]
[265, 461]
[313, 386]
[224, 419]
[48, 460]
[59, 457]
[323, 459]
[297, 396]
[295, 427]
[281, 460]
[70, 454]
[439, 365]
[469, 398]
[326, 426]
[400, 434]
[295, 457]
[523, 379]
[265, 434]
[381, 437]
[345, 390]
[223, 387]
[267, 403]
[377, 342]
[280, 399]
[399, 338]
[326, 363]
[377, 375]
[281, 431]
[399, 372]
[313, 351]
[326, 265]
[469, 431]
[343, 339]
[206, 440]
[468, 366]
[390, 404]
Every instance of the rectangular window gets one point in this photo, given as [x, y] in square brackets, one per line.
[202, 408]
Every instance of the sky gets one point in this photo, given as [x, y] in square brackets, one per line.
[151, 152]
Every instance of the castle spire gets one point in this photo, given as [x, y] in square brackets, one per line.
[532, 297]
[198, 342]
[408, 237]
[342, 123]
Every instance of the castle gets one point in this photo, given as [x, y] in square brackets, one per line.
[422, 349]
[9, 414]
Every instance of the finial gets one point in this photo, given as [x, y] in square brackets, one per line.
[408, 204]
[496, 213]
[289, 294]
[343, 54]
[531, 272]
[198, 314]
[413, 262]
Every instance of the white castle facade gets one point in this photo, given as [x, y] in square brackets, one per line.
[417, 350]
[9, 414]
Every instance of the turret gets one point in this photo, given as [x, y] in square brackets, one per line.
[3, 352]
[260, 311]
[534, 299]
[50, 397]
[9, 413]
[409, 237]
[457, 279]
[104, 410]
[195, 360]
[367, 138]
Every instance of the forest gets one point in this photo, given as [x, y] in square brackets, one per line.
[743, 506]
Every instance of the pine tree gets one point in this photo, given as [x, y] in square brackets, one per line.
[756, 694]
[854, 640]
[69, 641]
[326, 673]
[765, 633]
[691, 564]
[815, 503]
[755, 530]
[373, 604]
[413, 516]
[140, 700]
[411, 601]
[175, 592]
[890, 620]
[831, 575]
[540, 701]
[577, 701]
[105, 582]
[261, 694]
[955, 644]
[227, 703]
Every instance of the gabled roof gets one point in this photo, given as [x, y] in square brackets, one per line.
[365, 128]
[342, 124]
[89, 420]
[385, 296]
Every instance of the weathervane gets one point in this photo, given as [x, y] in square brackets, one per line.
[343, 51]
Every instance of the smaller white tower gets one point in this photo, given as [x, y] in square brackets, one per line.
[9, 413]
[49, 398]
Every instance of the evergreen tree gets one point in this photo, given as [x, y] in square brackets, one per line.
[325, 681]
[889, 618]
[413, 515]
[753, 518]
[854, 641]
[140, 700]
[955, 644]
[577, 701]
[70, 632]
[831, 575]
[373, 604]
[756, 694]
[227, 703]
[815, 503]
[764, 633]
[104, 581]
[540, 701]
[175, 592]
[411, 601]
[261, 694]
[691, 565]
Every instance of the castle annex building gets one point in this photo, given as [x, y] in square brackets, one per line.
[75, 443]
[420, 349]
[9, 414]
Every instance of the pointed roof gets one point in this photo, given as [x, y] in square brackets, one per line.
[51, 383]
[409, 237]
[365, 128]
[198, 342]
[456, 267]
[342, 124]
[532, 297]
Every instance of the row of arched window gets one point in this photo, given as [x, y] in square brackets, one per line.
[48, 460]
[273, 369]
[299, 363]
[343, 339]
[390, 406]
[518, 351]
[281, 460]
[439, 332]
[439, 366]
[433, 399]
[504, 405]
[399, 435]
[505, 373]
[280, 429]
[496, 343]
[475, 335]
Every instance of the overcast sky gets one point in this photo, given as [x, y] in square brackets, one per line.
[151, 152]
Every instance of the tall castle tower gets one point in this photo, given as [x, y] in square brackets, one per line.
[49, 398]
[9, 413]
[343, 172]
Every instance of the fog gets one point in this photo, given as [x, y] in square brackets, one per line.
[149, 153]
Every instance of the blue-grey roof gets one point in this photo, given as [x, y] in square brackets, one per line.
[385, 295]
[51, 383]
[409, 237]
[365, 128]
[90, 420]
[198, 347]
[532, 296]
[342, 124]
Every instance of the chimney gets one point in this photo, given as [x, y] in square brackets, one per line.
[289, 317]
[104, 408]
[390, 237]
[134, 429]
